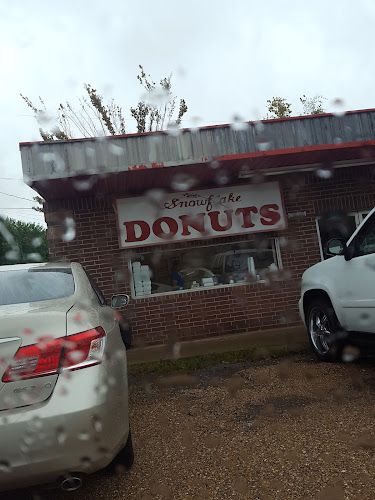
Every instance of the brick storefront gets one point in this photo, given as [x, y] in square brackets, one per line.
[323, 164]
[225, 309]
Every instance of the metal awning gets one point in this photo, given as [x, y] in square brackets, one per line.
[208, 156]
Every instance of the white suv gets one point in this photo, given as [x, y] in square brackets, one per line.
[337, 301]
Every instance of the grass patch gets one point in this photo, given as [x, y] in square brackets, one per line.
[200, 361]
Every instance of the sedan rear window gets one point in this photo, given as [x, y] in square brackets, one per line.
[34, 285]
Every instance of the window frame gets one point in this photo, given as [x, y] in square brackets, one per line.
[359, 216]
[277, 249]
[361, 235]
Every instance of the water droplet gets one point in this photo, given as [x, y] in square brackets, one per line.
[83, 184]
[34, 257]
[70, 229]
[57, 164]
[12, 254]
[61, 435]
[350, 354]
[90, 151]
[263, 144]
[222, 177]
[156, 196]
[239, 124]
[115, 150]
[338, 107]
[36, 242]
[156, 97]
[5, 466]
[86, 462]
[183, 182]
[96, 423]
[84, 436]
[283, 242]
[77, 356]
[259, 127]
[325, 173]
[173, 129]
[214, 164]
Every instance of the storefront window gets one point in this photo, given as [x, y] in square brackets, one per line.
[199, 267]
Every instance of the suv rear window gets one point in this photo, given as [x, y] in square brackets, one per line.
[34, 285]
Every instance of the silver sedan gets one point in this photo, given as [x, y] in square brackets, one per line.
[63, 378]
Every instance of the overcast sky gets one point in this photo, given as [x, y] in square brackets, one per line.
[227, 59]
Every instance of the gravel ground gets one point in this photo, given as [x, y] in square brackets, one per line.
[291, 429]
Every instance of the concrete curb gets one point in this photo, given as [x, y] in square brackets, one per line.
[291, 338]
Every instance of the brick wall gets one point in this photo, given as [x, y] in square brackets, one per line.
[211, 312]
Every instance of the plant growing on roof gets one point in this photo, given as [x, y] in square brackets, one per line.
[93, 117]
[157, 105]
[313, 105]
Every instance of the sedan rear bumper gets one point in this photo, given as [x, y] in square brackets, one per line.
[80, 428]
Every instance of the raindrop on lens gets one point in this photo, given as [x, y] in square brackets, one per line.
[173, 129]
[238, 124]
[338, 107]
[115, 150]
[182, 182]
[34, 257]
[324, 173]
[214, 164]
[61, 435]
[5, 466]
[222, 177]
[97, 424]
[86, 462]
[70, 231]
[36, 242]
[83, 184]
[12, 255]
[84, 436]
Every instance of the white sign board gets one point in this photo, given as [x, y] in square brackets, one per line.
[158, 217]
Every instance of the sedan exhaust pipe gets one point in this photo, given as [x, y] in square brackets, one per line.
[71, 482]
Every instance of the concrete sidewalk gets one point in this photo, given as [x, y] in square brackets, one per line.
[293, 338]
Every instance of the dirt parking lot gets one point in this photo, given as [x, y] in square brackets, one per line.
[286, 429]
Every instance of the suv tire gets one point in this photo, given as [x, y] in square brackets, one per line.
[324, 330]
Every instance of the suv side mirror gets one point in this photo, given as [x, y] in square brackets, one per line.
[335, 247]
[349, 252]
[119, 300]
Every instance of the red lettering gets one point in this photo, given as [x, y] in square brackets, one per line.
[130, 231]
[196, 222]
[158, 230]
[269, 216]
[246, 213]
[214, 216]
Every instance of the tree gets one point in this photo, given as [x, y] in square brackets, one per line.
[93, 117]
[40, 201]
[313, 105]
[278, 107]
[22, 242]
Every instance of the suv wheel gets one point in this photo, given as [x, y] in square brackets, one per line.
[323, 329]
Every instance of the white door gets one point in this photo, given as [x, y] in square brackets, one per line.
[356, 281]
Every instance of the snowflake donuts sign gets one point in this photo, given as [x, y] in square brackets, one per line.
[204, 213]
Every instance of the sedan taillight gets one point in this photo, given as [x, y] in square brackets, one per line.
[71, 353]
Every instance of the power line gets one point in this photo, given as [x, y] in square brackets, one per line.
[14, 196]
[11, 179]
[17, 208]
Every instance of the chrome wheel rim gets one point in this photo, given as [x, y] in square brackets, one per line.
[319, 330]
